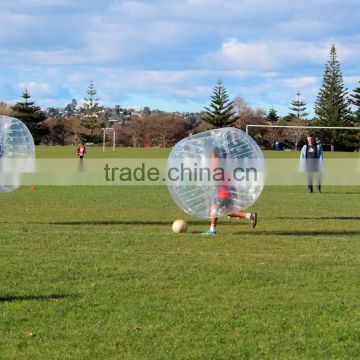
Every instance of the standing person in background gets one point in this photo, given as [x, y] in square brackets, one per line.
[311, 158]
[81, 151]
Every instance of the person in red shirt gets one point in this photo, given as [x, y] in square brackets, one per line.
[81, 150]
[225, 198]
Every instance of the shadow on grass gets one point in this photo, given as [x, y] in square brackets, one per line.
[52, 297]
[314, 217]
[124, 222]
[191, 222]
[198, 222]
[341, 193]
[299, 232]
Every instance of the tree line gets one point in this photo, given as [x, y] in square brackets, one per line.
[334, 106]
[332, 109]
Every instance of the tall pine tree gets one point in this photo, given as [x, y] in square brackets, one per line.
[31, 116]
[220, 112]
[298, 108]
[91, 111]
[272, 116]
[355, 100]
[332, 103]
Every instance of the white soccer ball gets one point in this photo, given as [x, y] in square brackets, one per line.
[179, 226]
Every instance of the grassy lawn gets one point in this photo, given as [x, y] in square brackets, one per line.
[97, 152]
[96, 273]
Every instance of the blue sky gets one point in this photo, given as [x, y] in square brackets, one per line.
[169, 54]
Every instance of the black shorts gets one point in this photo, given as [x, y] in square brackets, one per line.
[224, 202]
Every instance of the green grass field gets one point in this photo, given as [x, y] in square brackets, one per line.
[97, 152]
[96, 273]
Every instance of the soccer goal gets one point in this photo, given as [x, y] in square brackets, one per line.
[110, 128]
[301, 127]
[113, 139]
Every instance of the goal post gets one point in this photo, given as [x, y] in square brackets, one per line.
[113, 138]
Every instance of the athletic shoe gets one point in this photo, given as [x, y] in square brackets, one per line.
[253, 219]
[209, 232]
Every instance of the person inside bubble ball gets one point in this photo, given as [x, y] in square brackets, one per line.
[225, 195]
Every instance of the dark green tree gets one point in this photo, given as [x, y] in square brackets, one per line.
[332, 103]
[92, 111]
[61, 131]
[31, 116]
[298, 109]
[355, 100]
[272, 116]
[220, 112]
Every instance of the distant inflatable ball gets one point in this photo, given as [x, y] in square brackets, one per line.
[216, 173]
[17, 149]
[179, 226]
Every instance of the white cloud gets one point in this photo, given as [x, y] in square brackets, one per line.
[253, 55]
[38, 88]
[301, 82]
[272, 55]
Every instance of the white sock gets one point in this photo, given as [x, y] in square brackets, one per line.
[212, 227]
[249, 215]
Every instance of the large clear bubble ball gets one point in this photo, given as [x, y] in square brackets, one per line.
[216, 173]
[16, 145]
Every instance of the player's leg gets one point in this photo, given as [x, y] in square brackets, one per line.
[214, 219]
[319, 179]
[310, 182]
[245, 215]
[212, 230]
